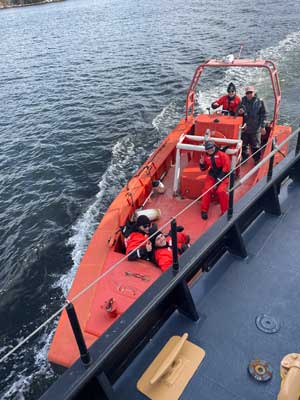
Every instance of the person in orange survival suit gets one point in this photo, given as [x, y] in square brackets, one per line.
[139, 233]
[162, 253]
[218, 164]
[229, 102]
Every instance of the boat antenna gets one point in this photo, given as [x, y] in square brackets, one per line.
[241, 49]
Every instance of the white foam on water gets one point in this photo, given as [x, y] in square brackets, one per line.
[4, 350]
[166, 119]
[16, 390]
[241, 77]
[41, 354]
[112, 181]
[42, 369]
[284, 48]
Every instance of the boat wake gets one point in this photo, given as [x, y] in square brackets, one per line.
[114, 178]
[166, 119]
[20, 385]
[285, 55]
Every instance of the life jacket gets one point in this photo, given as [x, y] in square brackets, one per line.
[163, 257]
[134, 240]
[218, 164]
[229, 103]
[183, 241]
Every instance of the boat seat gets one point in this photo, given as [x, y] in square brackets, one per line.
[192, 181]
[192, 178]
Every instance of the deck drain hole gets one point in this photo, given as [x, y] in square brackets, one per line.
[267, 324]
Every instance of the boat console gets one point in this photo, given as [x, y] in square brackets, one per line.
[225, 131]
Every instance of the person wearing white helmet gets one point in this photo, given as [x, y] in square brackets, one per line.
[254, 114]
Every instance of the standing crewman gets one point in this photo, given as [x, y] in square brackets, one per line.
[254, 114]
[218, 164]
[229, 102]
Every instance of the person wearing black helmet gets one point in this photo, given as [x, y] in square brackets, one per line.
[229, 102]
[135, 246]
[218, 165]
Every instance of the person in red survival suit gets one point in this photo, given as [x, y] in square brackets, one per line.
[162, 254]
[139, 233]
[229, 102]
[218, 164]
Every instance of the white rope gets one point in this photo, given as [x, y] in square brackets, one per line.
[103, 275]
[32, 334]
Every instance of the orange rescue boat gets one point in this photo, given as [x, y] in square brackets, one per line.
[175, 163]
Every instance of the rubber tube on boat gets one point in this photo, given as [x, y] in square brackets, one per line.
[151, 213]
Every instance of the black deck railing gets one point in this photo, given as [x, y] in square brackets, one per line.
[93, 376]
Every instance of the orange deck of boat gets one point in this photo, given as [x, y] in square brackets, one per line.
[100, 255]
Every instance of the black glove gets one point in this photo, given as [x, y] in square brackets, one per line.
[213, 173]
[221, 175]
[144, 254]
[202, 167]
[179, 228]
[183, 248]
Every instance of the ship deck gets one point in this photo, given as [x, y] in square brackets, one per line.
[229, 299]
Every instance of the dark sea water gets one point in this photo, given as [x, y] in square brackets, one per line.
[88, 88]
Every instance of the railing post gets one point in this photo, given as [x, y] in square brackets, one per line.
[231, 194]
[298, 143]
[84, 354]
[271, 162]
[174, 245]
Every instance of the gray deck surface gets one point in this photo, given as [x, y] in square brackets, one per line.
[228, 299]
